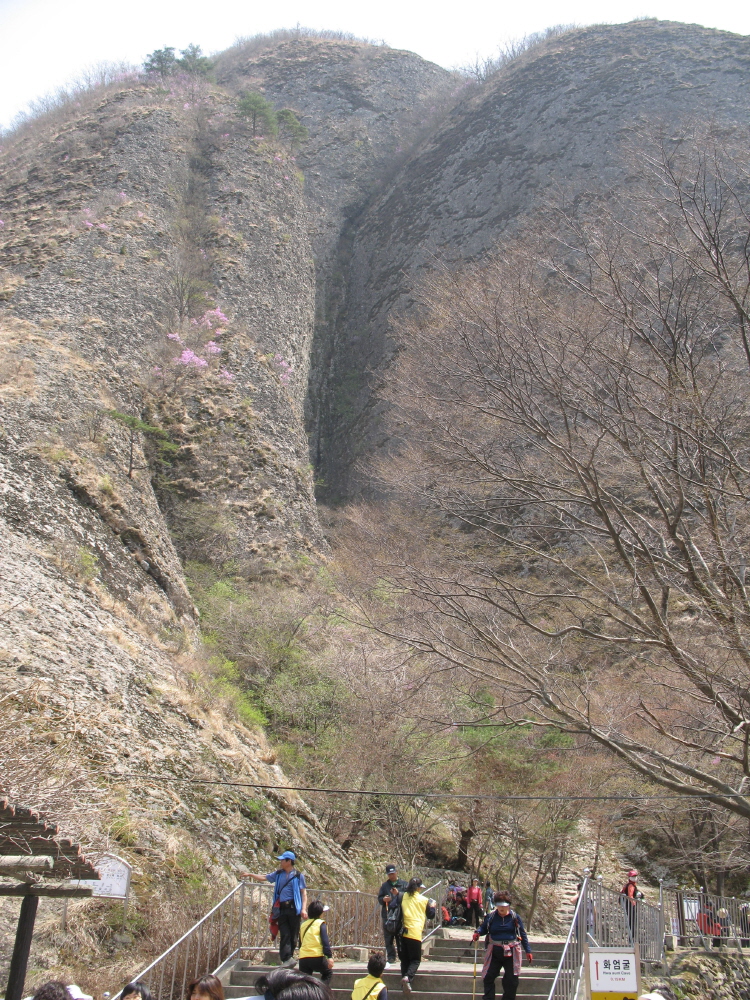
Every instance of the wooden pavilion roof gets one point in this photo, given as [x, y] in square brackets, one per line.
[25, 833]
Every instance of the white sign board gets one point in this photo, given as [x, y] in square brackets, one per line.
[613, 972]
[115, 878]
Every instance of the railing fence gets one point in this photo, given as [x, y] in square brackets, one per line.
[706, 919]
[570, 970]
[238, 927]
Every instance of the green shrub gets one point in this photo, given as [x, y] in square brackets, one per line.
[193, 62]
[291, 126]
[87, 563]
[161, 61]
[260, 112]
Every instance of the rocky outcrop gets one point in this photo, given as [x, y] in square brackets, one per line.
[699, 976]
[157, 300]
[556, 120]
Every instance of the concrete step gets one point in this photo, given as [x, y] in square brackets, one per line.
[528, 987]
[459, 944]
[550, 961]
[429, 982]
[463, 947]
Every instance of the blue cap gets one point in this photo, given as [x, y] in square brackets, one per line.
[287, 856]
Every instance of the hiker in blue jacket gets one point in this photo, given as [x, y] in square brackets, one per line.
[289, 903]
[505, 938]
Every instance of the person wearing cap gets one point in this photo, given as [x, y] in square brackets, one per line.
[631, 894]
[289, 903]
[505, 938]
[415, 910]
[315, 953]
[389, 890]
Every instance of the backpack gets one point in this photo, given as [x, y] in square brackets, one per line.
[394, 920]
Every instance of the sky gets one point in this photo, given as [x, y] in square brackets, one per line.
[44, 44]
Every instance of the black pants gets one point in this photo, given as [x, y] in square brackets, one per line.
[310, 965]
[390, 944]
[500, 962]
[288, 931]
[410, 955]
[475, 914]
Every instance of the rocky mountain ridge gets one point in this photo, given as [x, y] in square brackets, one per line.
[192, 322]
[558, 123]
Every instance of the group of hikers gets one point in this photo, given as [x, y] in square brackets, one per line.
[467, 905]
[404, 912]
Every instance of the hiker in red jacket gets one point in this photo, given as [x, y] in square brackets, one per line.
[631, 894]
[474, 900]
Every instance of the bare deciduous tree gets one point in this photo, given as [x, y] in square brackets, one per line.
[572, 494]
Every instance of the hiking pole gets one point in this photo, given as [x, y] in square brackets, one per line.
[474, 983]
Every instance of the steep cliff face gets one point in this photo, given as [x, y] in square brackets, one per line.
[555, 120]
[159, 267]
[365, 107]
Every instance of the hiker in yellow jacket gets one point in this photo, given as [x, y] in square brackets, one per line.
[315, 953]
[415, 910]
[372, 986]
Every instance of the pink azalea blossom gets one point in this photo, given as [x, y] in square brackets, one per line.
[223, 373]
[278, 159]
[103, 225]
[122, 196]
[174, 336]
[212, 347]
[186, 106]
[2, 224]
[215, 316]
[140, 215]
[87, 224]
[285, 177]
[190, 358]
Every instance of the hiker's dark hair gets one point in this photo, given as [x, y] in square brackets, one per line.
[315, 909]
[289, 984]
[501, 897]
[136, 989]
[55, 989]
[414, 884]
[376, 964]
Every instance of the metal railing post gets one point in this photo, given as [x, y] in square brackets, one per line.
[662, 925]
[241, 921]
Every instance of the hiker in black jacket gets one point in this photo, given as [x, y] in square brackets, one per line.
[505, 938]
[391, 888]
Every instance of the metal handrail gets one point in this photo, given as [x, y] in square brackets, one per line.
[438, 918]
[568, 986]
[189, 933]
[619, 922]
[690, 914]
[238, 924]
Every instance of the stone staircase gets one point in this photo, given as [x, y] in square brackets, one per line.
[446, 971]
